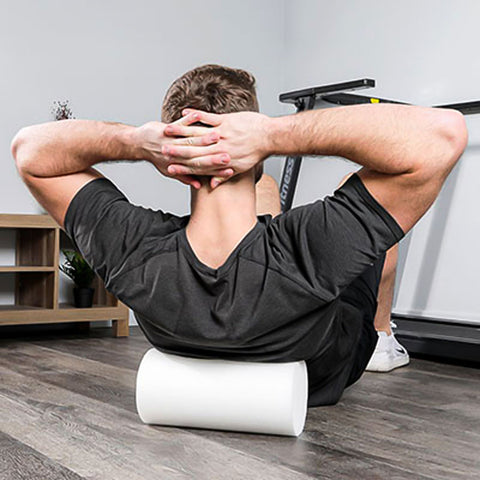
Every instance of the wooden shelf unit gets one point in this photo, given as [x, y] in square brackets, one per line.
[37, 275]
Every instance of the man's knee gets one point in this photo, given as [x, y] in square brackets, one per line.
[267, 180]
[268, 196]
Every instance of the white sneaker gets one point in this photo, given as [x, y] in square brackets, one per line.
[388, 354]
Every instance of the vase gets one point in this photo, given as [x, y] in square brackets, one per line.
[83, 296]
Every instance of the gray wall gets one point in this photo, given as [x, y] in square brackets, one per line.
[114, 60]
[424, 52]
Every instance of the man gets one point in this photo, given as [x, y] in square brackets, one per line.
[224, 282]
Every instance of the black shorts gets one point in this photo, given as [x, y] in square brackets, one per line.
[362, 293]
[337, 366]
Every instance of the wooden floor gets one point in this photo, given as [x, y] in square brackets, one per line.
[67, 411]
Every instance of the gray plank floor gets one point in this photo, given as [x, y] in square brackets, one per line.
[67, 411]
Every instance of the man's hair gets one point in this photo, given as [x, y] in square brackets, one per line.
[214, 89]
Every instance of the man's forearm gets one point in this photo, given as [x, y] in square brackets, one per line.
[391, 139]
[70, 146]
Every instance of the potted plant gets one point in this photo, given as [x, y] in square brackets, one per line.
[76, 267]
[61, 110]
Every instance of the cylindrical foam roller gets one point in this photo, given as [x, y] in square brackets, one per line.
[222, 394]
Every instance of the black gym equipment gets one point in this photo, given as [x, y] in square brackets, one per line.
[420, 336]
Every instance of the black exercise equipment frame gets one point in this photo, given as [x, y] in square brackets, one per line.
[306, 99]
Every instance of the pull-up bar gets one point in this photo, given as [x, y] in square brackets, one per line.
[305, 99]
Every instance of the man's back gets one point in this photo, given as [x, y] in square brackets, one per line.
[276, 298]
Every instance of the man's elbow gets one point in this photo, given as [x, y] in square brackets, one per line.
[15, 145]
[20, 148]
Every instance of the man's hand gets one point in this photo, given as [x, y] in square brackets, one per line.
[151, 138]
[243, 136]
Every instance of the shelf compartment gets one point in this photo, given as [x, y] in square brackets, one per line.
[35, 289]
[35, 246]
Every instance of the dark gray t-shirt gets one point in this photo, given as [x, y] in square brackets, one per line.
[276, 297]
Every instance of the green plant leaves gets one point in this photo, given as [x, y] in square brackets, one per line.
[76, 267]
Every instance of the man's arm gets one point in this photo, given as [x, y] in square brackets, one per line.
[406, 151]
[61, 148]
[55, 159]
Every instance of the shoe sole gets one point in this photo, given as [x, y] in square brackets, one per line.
[379, 366]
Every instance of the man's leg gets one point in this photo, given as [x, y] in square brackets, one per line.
[389, 353]
[268, 196]
[385, 292]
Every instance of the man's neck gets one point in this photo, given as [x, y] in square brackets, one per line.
[220, 218]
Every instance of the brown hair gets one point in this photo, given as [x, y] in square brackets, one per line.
[211, 88]
[214, 89]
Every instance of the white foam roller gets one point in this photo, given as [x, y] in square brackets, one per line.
[222, 394]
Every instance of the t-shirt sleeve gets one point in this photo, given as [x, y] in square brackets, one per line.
[107, 229]
[332, 241]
